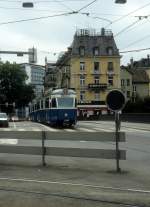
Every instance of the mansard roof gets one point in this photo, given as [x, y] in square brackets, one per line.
[90, 40]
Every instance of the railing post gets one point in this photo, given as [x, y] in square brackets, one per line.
[117, 123]
[43, 148]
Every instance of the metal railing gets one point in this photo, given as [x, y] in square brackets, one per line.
[45, 150]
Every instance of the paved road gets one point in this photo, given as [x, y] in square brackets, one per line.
[79, 182]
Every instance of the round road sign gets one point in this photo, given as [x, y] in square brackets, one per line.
[115, 100]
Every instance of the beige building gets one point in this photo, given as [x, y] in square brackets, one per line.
[126, 82]
[140, 83]
[140, 71]
[91, 66]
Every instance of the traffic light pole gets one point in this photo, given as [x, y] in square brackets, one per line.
[117, 124]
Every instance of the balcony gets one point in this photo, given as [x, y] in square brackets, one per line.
[95, 72]
[97, 86]
[110, 72]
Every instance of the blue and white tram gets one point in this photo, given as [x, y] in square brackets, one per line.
[58, 109]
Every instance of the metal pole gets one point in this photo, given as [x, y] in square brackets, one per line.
[43, 148]
[117, 123]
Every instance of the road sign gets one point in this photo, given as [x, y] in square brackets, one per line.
[115, 100]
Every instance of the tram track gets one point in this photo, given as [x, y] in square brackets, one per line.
[76, 195]
[71, 196]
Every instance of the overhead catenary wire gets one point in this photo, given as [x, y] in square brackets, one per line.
[37, 18]
[128, 14]
[124, 29]
[33, 10]
[135, 50]
[67, 7]
[50, 16]
[87, 5]
[137, 41]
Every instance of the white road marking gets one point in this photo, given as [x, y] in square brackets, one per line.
[76, 184]
[86, 130]
[22, 129]
[6, 129]
[70, 130]
[8, 141]
[102, 129]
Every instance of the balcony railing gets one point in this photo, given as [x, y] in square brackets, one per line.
[96, 72]
[100, 86]
[110, 72]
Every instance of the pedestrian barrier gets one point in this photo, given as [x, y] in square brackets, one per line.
[46, 150]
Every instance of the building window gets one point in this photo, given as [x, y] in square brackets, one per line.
[82, 66]
[82, 80]
[95, 51]
[97, 96]
[110, 66]
[96, 79]
[82, 51]
[96, 67]
[82, 96]
[134, 88]
[128, 94]
[110, 80]
[109, 51]
[122, 82]
[128, 82]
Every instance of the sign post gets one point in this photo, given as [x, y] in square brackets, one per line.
[115, 101]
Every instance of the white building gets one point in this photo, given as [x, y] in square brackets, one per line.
[36, 74]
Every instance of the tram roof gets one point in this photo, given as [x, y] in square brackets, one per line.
[63, 92]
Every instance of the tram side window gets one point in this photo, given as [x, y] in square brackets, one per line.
[54, 103]
[47, 103]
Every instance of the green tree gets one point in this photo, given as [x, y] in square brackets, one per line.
[13, 87]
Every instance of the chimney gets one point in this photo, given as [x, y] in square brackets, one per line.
[148, 60]
[103, 31]
[131, 62]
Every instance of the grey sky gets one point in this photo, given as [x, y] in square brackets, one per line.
[55, 34]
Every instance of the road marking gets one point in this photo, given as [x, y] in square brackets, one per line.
[8, 141]
[86, 130]
[76, 184]
[6, 129]
[21, 129]
[102, 129]
[69, 130]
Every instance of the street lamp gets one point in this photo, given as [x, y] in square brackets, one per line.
[120, 1]
[27, 4]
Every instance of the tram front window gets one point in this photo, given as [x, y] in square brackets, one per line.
[65, 102]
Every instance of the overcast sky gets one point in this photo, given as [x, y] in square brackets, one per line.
[54, 34]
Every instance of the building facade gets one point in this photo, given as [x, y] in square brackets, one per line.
[126, 83]
[36, 74]
[140, 72]
[91, 66]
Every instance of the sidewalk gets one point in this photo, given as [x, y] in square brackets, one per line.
[72, 182]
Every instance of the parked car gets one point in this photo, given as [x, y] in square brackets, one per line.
[4, 120]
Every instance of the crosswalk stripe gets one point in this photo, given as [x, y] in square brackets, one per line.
[102, 129]
[9, 141]
[86, 130]
[70, 130]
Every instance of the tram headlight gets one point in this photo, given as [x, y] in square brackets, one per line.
[66, 114]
